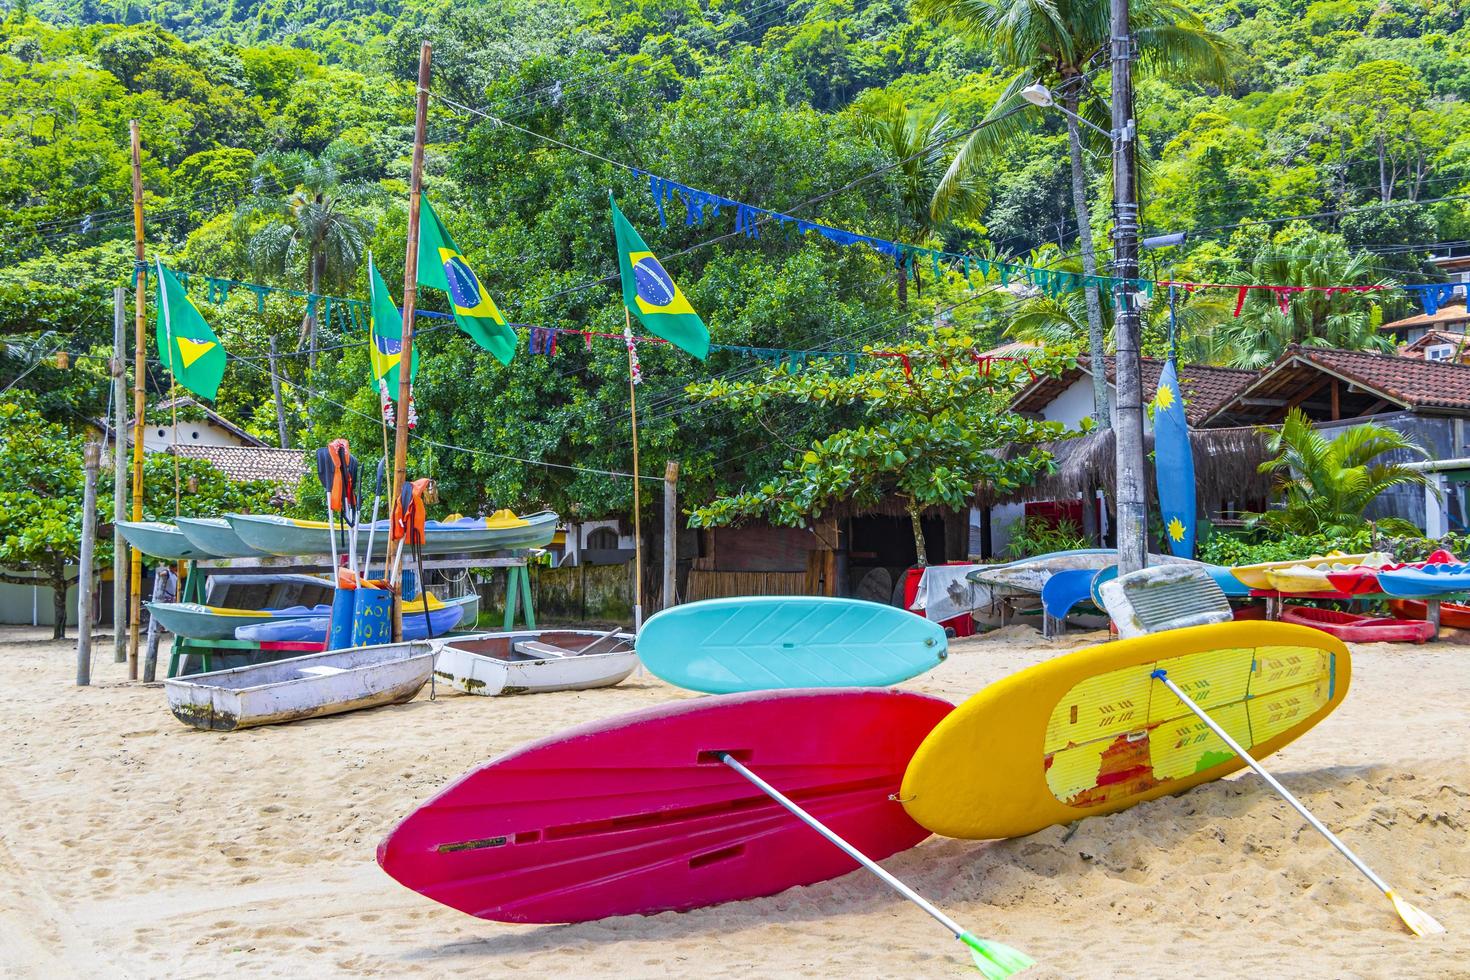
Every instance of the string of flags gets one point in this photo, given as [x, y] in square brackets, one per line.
[1283, 294]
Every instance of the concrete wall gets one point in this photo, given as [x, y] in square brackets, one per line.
[571, 594]
[159, 437]
[30, 605]
[1442, 438]
[1075, 404]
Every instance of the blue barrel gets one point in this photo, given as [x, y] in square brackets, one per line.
[339, 633]
[372, 617]
[409, 586]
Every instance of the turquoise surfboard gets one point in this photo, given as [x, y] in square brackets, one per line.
[759, 643]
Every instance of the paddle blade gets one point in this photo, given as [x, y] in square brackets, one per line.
[1420, 922]
[995, 960]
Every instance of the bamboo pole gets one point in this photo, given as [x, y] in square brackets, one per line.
[671, 532]
[140, 377]
[410, 298]
[119, 369]
[91, 460]
[276, 394]
[637, 495]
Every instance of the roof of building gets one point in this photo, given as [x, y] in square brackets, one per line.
[1431, 338]
[1447, 314]
[209, 413]
[284, 467]
[1366, 383]
[1205, 387]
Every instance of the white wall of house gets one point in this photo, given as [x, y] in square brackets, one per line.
[30, 605]
[1075, 404]
[578, 536]
[159, 437]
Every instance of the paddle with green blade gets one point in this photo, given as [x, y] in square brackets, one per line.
[995, 960]
[1420, 923]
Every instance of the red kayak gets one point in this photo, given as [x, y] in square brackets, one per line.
[1363, 579]
[637, 814]
[1451, 614]
[1351, 628]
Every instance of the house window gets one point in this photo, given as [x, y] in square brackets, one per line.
[602, 539]
[1439, 352]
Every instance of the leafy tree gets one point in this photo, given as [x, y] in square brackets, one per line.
[1056, 45]
[320, 227]
[1326, 484]
[929, 436]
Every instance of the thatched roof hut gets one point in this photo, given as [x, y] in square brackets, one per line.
[1226, 467]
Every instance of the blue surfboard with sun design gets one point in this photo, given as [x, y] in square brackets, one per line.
[1174, 463]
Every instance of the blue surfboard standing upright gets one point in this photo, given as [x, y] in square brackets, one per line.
[1173, 458]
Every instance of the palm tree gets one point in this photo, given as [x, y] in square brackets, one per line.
[1326, 484]
[1062, 44]
[913, 140]
[319, 228]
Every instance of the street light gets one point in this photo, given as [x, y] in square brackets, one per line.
[1040, 96]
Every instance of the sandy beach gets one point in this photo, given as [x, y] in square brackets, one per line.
[133, 846]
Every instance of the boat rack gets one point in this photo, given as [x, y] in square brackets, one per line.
[195, 587]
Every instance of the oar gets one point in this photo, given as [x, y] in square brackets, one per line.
[377, 496]
[995, 960]
[1421, 923]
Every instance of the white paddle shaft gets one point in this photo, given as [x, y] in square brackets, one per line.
[1163, 678]
[847, 848]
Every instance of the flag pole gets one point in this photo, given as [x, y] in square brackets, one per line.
[637, 497]
[140, 376]
[410, 297]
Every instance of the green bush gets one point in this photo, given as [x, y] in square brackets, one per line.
[1039, 536]
[1235, 549]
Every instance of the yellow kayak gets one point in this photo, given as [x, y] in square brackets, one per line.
[1257, 576]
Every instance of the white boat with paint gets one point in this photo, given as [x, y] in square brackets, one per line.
[1031, 574]
[535, 661]
[317, 684]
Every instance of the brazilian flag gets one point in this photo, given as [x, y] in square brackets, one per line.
[186, 344]
[651, 294]
[386, 351]
[442, 267]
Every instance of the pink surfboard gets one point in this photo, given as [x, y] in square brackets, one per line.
[637, 815]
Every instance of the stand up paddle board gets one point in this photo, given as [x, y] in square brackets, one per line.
[638, 814]
[757, 643]
[1092, 732]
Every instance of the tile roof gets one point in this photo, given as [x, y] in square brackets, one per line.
[283, 467]
[1206, 388]
[1416, 383]
[1415, 349]
[1451, 313]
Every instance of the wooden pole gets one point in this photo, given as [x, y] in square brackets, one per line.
[637, 495]
[671, 532]
[91, 460]
[140, 378]
[410, 298]
[276, 393]
[119, 369]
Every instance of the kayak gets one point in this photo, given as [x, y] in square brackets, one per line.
[1451, 614]
[214, 535]
[1352, 628]
[161, 540]
[501, 531]
[443, 617]
[1255, 576]
[1031, 574]
[1305, 578]
[1362, 580]
[200, 622]
[1425, 582]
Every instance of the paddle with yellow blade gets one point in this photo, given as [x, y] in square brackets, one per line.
[1421, 923]
[995, 960]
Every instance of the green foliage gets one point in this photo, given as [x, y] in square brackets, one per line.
[1039, 536]
[1326, 484]
[1249, 549]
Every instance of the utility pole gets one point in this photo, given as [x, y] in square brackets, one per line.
[91, 460]
[140, 378]
[1128, 428]
[671, 531]
[119, 368]
[410, 299]
[276, 392]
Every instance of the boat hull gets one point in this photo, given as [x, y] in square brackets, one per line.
[214, 535]
[312, 686]
[1451, 614]
[488, 665]
[201, 622]
[1350, 628]
[288, 536]
[161, 540]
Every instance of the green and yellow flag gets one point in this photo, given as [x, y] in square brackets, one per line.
[186, 344]
[441, 266]
[651, 294]
[387, 334]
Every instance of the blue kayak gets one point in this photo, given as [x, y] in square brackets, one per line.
[759, 643]
[1065, 589]
[1423, 583]
[442, 619]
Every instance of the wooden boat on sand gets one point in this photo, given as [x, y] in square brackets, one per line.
[302, 687]
[535, 661]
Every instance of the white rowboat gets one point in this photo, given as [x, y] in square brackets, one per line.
[317, 684]
[535, 661]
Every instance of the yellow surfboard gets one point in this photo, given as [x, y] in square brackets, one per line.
[1092, 732]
